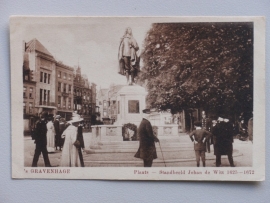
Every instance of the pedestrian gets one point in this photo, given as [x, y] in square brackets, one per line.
[50, 135]
[242, 130]
[62, 127]
[201, 139]
[206, 123]
[56, 125]
[147, 139]
[40, 137]
[73, 144]
[223, 139]
[81, 140]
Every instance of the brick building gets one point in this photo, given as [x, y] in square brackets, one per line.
[51, 86]
[64, 89]
[84, 94]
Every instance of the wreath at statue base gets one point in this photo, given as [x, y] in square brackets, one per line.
[129, 132]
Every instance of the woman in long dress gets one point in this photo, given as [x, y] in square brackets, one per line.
[71, 154]
[50, 136]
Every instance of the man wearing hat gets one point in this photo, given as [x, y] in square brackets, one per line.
[41, 141]
[147, 149]
[223, 139]
[58, 142]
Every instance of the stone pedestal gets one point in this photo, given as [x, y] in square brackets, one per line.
[105, 133]
[130, 103]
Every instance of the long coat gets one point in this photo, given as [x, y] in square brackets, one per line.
[80, 136]
[57, 133]
[223, 138]
[128, 47]
[147, 149]
[50, 137]
[70, 154]
[40, 133]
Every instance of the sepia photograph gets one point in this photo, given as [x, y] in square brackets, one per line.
[138, 98]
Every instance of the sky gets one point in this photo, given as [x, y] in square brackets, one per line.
[93, 44]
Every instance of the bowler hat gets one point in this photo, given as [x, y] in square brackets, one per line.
[198, 123]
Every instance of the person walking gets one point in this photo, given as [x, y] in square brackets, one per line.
[73, 144]
[147, 139]
[40, 137]
[50, 135]
[223, 139]
[81, 140]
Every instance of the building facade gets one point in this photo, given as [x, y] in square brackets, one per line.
[102, 103]
[107, 103]
[39, 82]
[64, 90]
[84, 94]
[51, 86]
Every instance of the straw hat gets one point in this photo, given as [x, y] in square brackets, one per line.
[75, 118]
[57, 116]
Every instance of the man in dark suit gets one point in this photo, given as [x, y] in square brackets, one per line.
[80, 138]
[40, 137]
[223, 139]
[147, 149]
[56, 125]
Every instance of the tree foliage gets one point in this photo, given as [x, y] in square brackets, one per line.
[199, 65]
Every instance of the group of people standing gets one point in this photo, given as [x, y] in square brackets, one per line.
[220, 133]
[54, 130]
[58, 135]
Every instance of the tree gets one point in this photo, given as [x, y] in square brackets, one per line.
[194, 65]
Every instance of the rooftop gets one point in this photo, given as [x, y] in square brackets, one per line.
[35, 45]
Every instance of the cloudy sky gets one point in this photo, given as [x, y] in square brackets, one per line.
[91, 43]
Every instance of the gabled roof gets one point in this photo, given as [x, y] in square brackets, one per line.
[35, 45]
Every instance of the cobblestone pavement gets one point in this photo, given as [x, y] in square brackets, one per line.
[125, 158]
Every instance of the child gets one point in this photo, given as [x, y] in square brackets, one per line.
[200, 138]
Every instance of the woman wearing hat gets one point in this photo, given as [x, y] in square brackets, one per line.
[50, 135]
[71, 154]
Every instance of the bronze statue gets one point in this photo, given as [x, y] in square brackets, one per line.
[129, 61]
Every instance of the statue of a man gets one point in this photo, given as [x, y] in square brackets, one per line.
[128, 58]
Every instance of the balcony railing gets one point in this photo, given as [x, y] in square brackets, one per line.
[45, 103]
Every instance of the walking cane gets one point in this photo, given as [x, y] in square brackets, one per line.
[162, 154]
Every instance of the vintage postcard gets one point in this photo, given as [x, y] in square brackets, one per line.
[138, 98]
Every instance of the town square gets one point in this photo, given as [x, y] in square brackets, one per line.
[187, 87]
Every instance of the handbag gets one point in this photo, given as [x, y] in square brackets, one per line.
[77, 143]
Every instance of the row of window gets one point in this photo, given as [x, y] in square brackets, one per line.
[80, 93]
[30, 107]
[64, 87]
[44, 97]
[82, 109]
[64, 75]
[30, 92]
[64, 102]
[45, 77]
